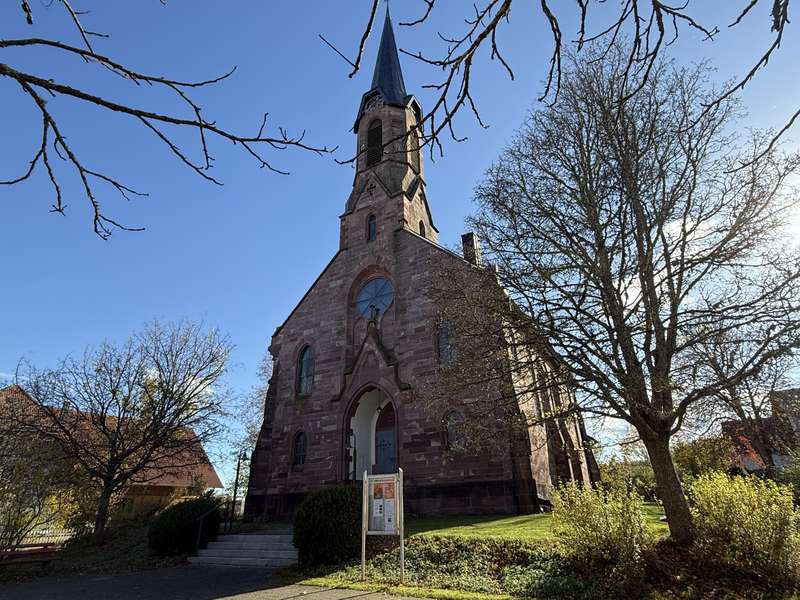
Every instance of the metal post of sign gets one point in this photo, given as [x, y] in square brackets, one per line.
[364, 522]
[401, 525]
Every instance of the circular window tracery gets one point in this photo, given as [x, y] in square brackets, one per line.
[376, 292]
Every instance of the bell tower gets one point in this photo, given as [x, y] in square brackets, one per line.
[389, 170]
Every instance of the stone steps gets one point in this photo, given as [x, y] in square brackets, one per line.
[252, 550]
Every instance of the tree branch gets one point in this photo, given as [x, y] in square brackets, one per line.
[104, 225]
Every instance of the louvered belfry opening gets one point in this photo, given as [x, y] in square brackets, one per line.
[413, 146]
[374, 143]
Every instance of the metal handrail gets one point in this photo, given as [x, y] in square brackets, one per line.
[226, 526]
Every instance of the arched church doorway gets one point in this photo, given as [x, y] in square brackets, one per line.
[371, 443]
[386, 440]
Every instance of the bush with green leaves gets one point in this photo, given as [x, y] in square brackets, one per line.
[604, 528]
[704, 455]
[628, 474]
[327, 525]
[746, 521]
[790, 474]
[174, 531]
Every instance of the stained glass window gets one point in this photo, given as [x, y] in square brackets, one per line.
[455, 430]
[306, 376]
[447, 348]
[300, 449]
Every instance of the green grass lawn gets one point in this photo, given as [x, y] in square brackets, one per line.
[522, 527]
[652, 514]
[528, 528]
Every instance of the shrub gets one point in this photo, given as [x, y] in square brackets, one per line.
[747, 521]
[704, 456]
[790, 474]
[174, 531]
[629, 475]
[327, 525]
[604, 528]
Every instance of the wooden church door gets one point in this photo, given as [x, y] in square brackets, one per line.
[385, 440]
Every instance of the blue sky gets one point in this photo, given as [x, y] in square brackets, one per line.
[243, 254]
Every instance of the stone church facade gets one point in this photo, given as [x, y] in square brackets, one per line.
[340, 399]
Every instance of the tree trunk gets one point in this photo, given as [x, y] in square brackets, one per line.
[670, 491]
[102, 514]
[760, 442]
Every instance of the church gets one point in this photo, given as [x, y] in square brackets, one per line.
[341, 398]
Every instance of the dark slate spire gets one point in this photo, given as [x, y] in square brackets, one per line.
[387, 80]
[388, 76]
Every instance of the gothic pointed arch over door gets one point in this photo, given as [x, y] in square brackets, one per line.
[370, 437]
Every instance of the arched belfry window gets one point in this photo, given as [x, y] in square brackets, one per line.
[306, 371]
[300, 443]
[371, 227]
[374, 143]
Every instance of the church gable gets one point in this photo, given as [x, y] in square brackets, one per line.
[373, 364]
[368, 190]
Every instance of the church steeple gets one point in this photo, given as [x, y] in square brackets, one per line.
[388, 86]
[388, 75]
[388, 186]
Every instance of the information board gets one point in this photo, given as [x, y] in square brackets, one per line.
[382, 512]
[382, 509]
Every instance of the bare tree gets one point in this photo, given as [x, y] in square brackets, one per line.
[250, 412]
[126, 415]
[54, 137]
[750, 400]
[632, 227]
[653, 26]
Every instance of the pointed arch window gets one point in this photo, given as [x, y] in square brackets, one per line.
[455, 430]
[371, 227]
[300, 444]
[448, 355]
[374, 143]
[305, 371]
[422, 229]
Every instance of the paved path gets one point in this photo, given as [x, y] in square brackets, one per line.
[187, 582]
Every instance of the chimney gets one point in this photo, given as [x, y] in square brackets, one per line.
[472, 248]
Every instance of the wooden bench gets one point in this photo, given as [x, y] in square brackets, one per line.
[28, 553]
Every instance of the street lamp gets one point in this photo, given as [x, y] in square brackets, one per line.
[239, 459]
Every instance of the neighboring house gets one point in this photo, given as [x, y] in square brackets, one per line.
[160, 483]
[780, 433]
[162, 479]
[347, 358]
